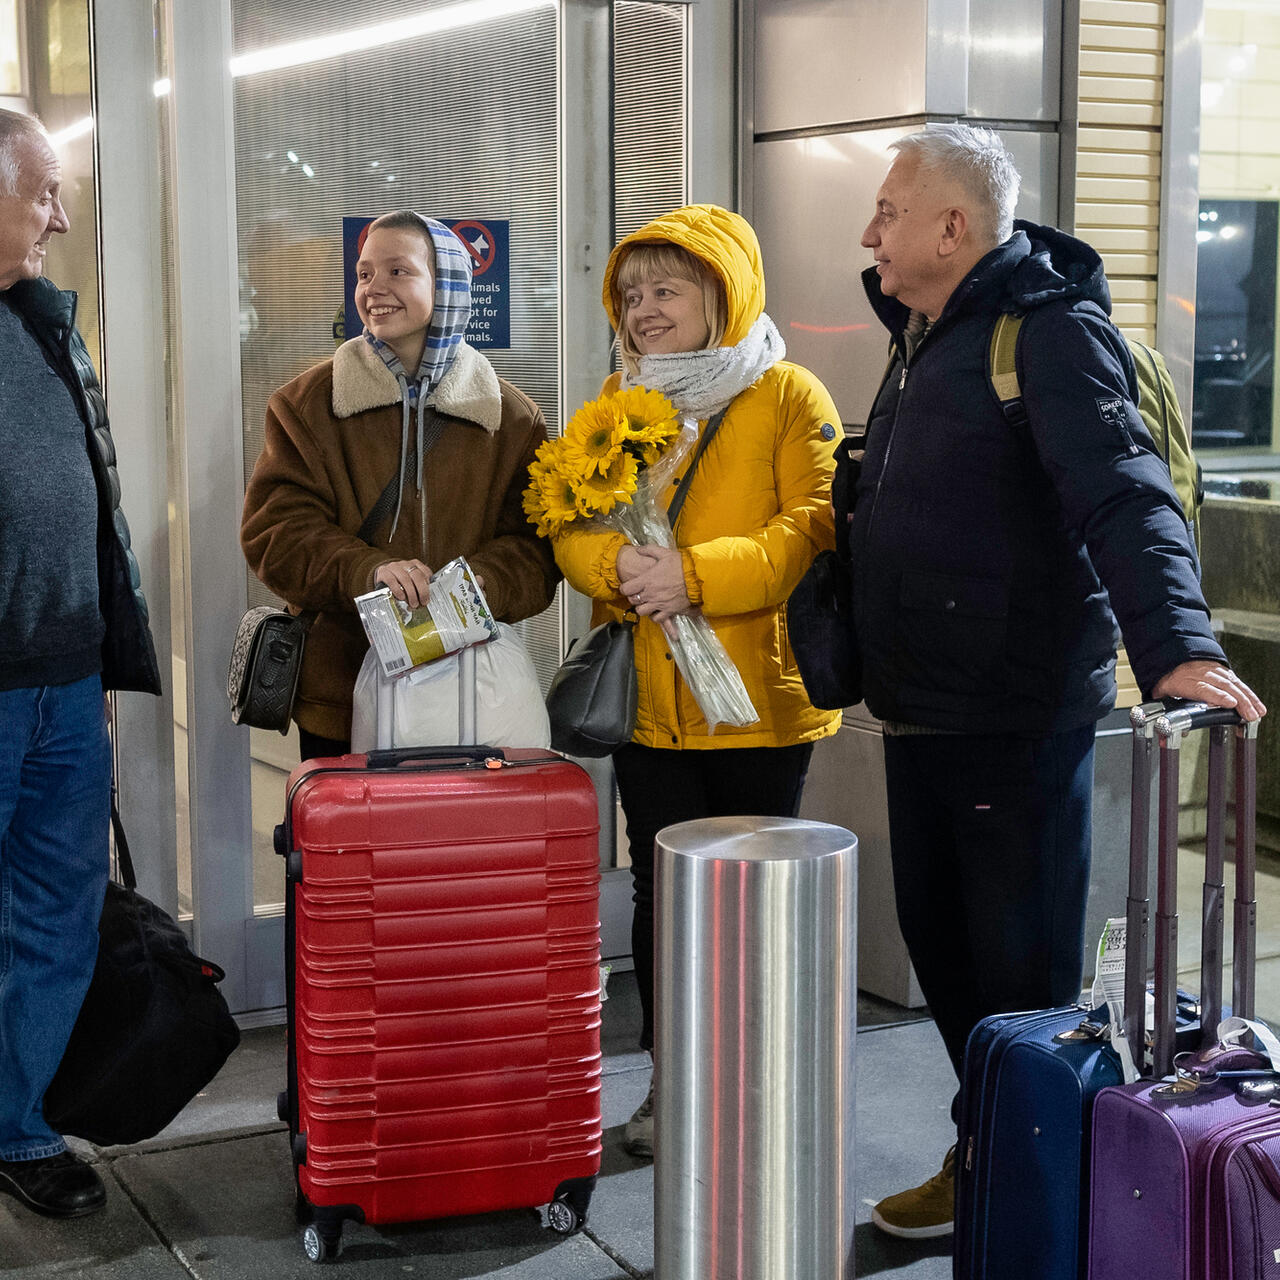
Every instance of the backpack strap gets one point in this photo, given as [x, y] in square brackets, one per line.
[1002, 366]
[1136, 346]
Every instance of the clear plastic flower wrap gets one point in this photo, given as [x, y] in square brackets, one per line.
[610, 470]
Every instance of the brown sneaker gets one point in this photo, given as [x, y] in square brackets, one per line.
[637, 1137]
[924, 1211]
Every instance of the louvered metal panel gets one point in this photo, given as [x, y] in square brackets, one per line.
[1121, 63]
[1127, 13]
[1128, 289]
[650, 93]
[1117, 213]
[1118, 188]
[1142, 39]
[1131, 114]
[1100, 188]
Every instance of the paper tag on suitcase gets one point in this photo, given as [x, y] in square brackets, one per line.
[1108, 988]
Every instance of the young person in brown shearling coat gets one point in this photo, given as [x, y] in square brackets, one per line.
[408, 404]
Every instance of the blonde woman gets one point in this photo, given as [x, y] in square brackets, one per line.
[686, 296]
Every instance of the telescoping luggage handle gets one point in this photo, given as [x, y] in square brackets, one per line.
[1170, 724]
[384, 728]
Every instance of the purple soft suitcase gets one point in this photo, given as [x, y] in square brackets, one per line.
[1186, 1169]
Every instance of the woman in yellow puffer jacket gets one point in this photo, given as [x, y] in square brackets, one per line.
[686, 295]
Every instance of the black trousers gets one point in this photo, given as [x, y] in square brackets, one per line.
[990, 839]
[659, 787]
[311, 746]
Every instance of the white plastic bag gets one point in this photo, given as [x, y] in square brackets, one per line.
[510, 711]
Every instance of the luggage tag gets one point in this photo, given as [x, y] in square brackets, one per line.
[1108, 988]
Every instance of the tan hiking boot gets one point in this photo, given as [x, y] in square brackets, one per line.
[924, 1211]
[637, 1137]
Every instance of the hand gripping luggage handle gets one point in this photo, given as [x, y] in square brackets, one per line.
[1171, 726]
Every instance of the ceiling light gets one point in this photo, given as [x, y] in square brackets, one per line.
[77, 130]
[427, 22]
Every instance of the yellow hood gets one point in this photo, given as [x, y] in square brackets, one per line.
[724, 241]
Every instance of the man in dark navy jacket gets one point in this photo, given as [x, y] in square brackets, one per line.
[992, 560]
[72, 623]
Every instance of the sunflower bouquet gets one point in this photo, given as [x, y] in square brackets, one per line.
[611, 468]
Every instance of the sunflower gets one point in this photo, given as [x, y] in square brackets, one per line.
[549, 500]
[651, 421]
[593, 438]
[598, 495]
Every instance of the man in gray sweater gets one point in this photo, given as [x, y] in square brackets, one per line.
[72, 624]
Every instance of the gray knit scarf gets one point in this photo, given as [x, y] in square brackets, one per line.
[701, 383]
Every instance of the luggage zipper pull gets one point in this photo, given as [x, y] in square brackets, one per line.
[968, 1155]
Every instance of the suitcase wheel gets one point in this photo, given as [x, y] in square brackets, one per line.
[282, 1105]
[567, 1212]
[563, 1217]
[320, 1244]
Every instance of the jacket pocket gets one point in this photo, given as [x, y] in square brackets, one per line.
[952, 637]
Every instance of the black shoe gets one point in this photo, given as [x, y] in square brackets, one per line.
[60, 1186]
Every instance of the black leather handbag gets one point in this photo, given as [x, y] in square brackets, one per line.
[823, 640]
[266, 656]
[153, 1030]
[820, 621]
[593, 697]
[266, 661]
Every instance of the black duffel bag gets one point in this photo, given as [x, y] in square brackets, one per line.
[153, 1030]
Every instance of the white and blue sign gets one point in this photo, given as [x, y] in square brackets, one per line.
[487, 240]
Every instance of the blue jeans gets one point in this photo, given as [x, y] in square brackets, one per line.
[55, 796]
[990, 840]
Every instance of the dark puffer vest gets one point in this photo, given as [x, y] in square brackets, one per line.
[128, 653]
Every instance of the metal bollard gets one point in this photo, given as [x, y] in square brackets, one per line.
[755, 1008]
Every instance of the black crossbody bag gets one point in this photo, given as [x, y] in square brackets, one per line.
[266, 655]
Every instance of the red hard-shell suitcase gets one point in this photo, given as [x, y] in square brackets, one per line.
[1186, 1181]
[443, 987]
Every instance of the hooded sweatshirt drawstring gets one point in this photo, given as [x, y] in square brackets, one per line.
[450, 314]
[425, 437]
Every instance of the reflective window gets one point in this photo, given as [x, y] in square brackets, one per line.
[1235, 352]
[1235, 324]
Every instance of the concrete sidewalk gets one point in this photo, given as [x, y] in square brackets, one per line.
[212, 1197]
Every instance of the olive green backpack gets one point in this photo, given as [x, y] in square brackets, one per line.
[1157, 403]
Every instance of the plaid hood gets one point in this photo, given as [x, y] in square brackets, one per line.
[450, 314]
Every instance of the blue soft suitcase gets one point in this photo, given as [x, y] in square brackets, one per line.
[1027, 1090]
[1029, 1082]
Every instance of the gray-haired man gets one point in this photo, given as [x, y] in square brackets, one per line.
[71, 625]
[992, 559]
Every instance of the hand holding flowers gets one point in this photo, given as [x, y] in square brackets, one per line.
[611, 467]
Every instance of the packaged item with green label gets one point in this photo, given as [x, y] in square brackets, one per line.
[455, 615]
